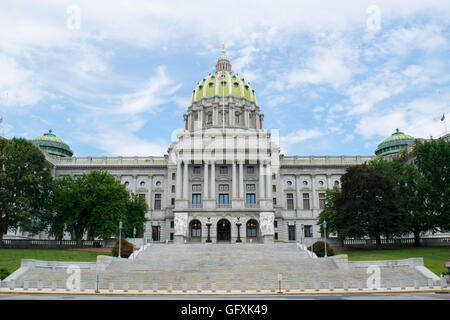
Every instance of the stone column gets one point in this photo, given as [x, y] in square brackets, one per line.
[185, 180]
[233, 180]
[329, 186]
[297, 192]
[178, 182]
[313, 195]
[213, 180]
[241, 180]
[268, 182]
[261, 180]
[205, 181]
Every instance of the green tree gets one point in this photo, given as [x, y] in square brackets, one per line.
[25, 187]
[367, 205]
[136, 207]
[409, 186]
[432, 159]
[95, 204]
[330, 213]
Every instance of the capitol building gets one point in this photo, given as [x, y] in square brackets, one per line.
[224, 180]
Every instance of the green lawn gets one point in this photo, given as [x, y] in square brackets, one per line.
[433, 257]
[10, 258]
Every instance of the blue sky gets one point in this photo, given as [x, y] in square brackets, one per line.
[333, 78]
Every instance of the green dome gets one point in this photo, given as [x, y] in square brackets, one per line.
[53, 145]
[231, 85]
[394, 143]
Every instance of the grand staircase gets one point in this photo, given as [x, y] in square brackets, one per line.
[223, 267]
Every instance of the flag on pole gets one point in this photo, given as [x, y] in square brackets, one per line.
[443, 117]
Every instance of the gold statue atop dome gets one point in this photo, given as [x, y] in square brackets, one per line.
[223, 48]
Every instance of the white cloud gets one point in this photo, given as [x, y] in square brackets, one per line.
[18, 86]
[157, 91]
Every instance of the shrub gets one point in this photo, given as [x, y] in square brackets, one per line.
[319, 249]
[4, 273]
[126, 249]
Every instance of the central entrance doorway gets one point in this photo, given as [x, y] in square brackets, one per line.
[223, 230]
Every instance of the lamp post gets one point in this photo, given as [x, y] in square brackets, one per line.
[303, 231]
[238, 224]
[324, 224]
[208, 225]
[120, 238]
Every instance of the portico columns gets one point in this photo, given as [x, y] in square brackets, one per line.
[178, 182]
[261, 180]
[268, 181]
[213, 181]
[205, 181]
[185, 180]
[241, 180]
[233, 180]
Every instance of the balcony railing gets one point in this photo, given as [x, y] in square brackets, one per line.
[224, 205]
[250, 205]
[196, 205]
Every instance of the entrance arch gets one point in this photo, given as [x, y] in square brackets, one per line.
[195, 230]
[223, 230]
[251, 228]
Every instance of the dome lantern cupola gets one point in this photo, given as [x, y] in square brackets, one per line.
[392, 145]
[223, 64]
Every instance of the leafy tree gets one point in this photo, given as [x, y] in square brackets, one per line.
[330, 213]
[95, 204]
[136, 207]
[432, 159]
[367, 205]
[409, 186]
[25, 187]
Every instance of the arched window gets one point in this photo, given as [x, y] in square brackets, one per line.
[252, 228]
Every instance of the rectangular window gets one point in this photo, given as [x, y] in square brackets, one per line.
[223, 170]
[157, 201]
[196, 201]
[275, 224]
[274, 176]
[172, 224]
[173, 189]
[251, 200]
[274, 201]
[291, 232]
[306, 201]
[251, 187]
[172, 201]
[321, 200]
[171, 236]
[308, 231]
[197, 170]
[223, 187]
[290, 201]
[274, 188]
[276, 236]
[196, 187]
[223, 200]
[250, 170]
[174, 176]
